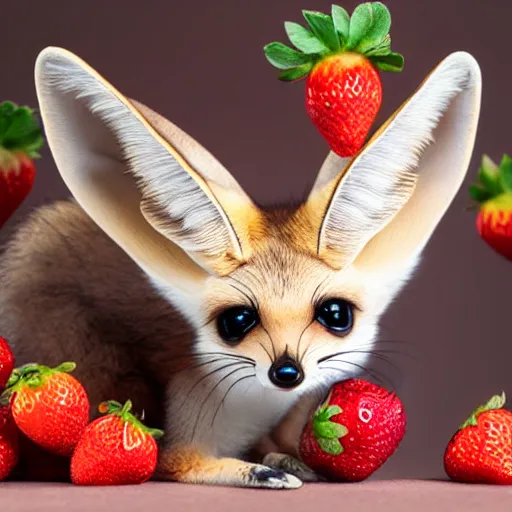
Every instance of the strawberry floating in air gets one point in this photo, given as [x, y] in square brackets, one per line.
[6, 362]
[115, 449]
[48, 405]
[481, 450]
[8, 443]
[341, 56]
[20, 140]
[493, 192]
[354, 432]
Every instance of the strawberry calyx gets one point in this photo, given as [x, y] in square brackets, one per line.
[366, 33]
[33, 376]
[328, 433]
[20, 132]
[494, 403]
[494, 182]
[124, 412]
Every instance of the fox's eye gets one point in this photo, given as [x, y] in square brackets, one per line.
[234, 323]
[335, 315]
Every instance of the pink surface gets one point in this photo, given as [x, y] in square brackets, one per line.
[393, 496]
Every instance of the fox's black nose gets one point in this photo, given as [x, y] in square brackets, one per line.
[286, 373]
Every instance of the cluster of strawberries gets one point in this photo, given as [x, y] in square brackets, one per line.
[45, 432]
[361, 425]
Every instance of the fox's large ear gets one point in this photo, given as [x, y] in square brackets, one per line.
[152, 188]
[382, 207]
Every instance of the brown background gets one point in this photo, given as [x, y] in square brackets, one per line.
[200, 63]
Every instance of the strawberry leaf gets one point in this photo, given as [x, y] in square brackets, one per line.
[479, 194]
[322, 26]
[393, 62]
[494, 403]
[330, 446]
[291, 75]
[488, 165]
[360, 22]
[155, 433]
[6, 111]
[341, 21]
[332, 410]
[330, 430]
[383, 47]
[488, 175]
[284, 57]
[506, 173]
[66, 367]
[303, 39]
[19, 129]
[381, 24]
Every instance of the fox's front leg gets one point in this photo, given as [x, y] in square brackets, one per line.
[190, 465]
[280, 450]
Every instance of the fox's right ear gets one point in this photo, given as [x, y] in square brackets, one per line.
[381, 207]
[151, 187]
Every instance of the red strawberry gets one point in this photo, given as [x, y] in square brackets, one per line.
[481, 450]
[116, 449]
[8, 443]
[20, 140]
[354, 432]
[49, 406]
[493, 191]
[340, 56]
[6, 362]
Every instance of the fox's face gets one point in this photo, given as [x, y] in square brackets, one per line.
[295, 322]
[295, 293]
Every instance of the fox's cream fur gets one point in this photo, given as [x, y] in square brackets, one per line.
[128, 278]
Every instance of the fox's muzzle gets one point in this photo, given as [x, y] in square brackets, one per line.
[286, 373]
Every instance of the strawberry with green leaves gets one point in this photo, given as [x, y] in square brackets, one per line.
[481, 449]
[493, 193]
[354, 432]
[341, 56]
[115, 449]
[48, 405]
[20, 141]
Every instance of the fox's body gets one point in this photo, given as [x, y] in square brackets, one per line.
[222, 320]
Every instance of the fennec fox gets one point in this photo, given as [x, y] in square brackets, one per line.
[223, 320]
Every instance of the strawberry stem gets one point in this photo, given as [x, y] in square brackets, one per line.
[124, 412]
[127, 407]
[494, 403]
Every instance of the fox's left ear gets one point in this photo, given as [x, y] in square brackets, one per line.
[381, 208]
[154, 190]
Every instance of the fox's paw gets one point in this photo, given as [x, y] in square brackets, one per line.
[263, 476]
[288, 464]
[188, 465]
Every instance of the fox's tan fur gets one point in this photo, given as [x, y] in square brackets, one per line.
[128, 277]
